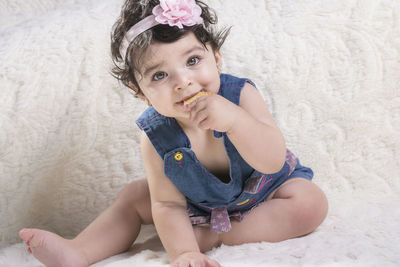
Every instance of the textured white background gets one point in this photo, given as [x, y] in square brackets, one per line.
[330, 73]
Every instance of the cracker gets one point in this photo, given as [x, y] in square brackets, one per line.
[193, 98]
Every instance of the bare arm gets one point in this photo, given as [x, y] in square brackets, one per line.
[249, 126]
[168, 206]
[255, 134]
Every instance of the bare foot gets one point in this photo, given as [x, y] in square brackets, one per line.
[51, 249]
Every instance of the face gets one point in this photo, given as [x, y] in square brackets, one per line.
[176, 71]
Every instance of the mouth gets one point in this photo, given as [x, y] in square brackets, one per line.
[188, 97]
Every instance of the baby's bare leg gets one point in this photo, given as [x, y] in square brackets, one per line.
[111, 233]
[297, 208]
[206, 239]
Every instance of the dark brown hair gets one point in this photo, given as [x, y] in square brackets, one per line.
[134, 11]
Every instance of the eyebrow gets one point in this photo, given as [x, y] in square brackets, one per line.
[151, 69]
[188, 52]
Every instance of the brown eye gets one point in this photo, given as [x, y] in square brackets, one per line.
[193, 61]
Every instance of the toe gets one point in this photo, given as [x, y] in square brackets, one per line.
[25, 234]
[32, 237]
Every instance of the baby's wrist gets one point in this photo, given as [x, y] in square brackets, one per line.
[235, 123]
[185, 253]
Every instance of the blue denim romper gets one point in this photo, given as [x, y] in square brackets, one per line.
[207, 196]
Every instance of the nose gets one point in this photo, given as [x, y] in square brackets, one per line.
[182, 80]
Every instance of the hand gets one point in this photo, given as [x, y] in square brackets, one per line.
[213, 112]
[194, 259]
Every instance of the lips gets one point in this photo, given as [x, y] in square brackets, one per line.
[189, 96]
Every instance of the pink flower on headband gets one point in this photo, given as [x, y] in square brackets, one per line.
[178, 13]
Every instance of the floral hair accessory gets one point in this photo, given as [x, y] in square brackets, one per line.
[172, 12]
[178, 13]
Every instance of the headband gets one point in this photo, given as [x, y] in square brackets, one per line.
[172, 12]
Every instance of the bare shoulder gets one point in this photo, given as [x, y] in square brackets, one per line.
[148, 150]
[153, 162]
[252, 101]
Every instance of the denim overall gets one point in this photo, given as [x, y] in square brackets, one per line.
[206, 194]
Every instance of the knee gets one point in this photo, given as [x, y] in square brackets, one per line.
[132, 194]
[310, 210]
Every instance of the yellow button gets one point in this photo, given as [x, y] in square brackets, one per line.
[178, 156]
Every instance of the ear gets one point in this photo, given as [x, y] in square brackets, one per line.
[139, 94]
[218, 59]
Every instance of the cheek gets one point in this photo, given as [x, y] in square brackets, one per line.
[150, 92]
[210, 75]
[215, 79]
[159, 99]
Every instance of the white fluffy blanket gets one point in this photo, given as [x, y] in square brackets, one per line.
[330, 72]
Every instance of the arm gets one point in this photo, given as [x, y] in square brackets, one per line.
[255, 134]
[250, 127]
[168, 206]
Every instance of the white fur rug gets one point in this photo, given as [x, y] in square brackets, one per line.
[330, 72]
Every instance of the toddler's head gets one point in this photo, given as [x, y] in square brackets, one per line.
[143, 22]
